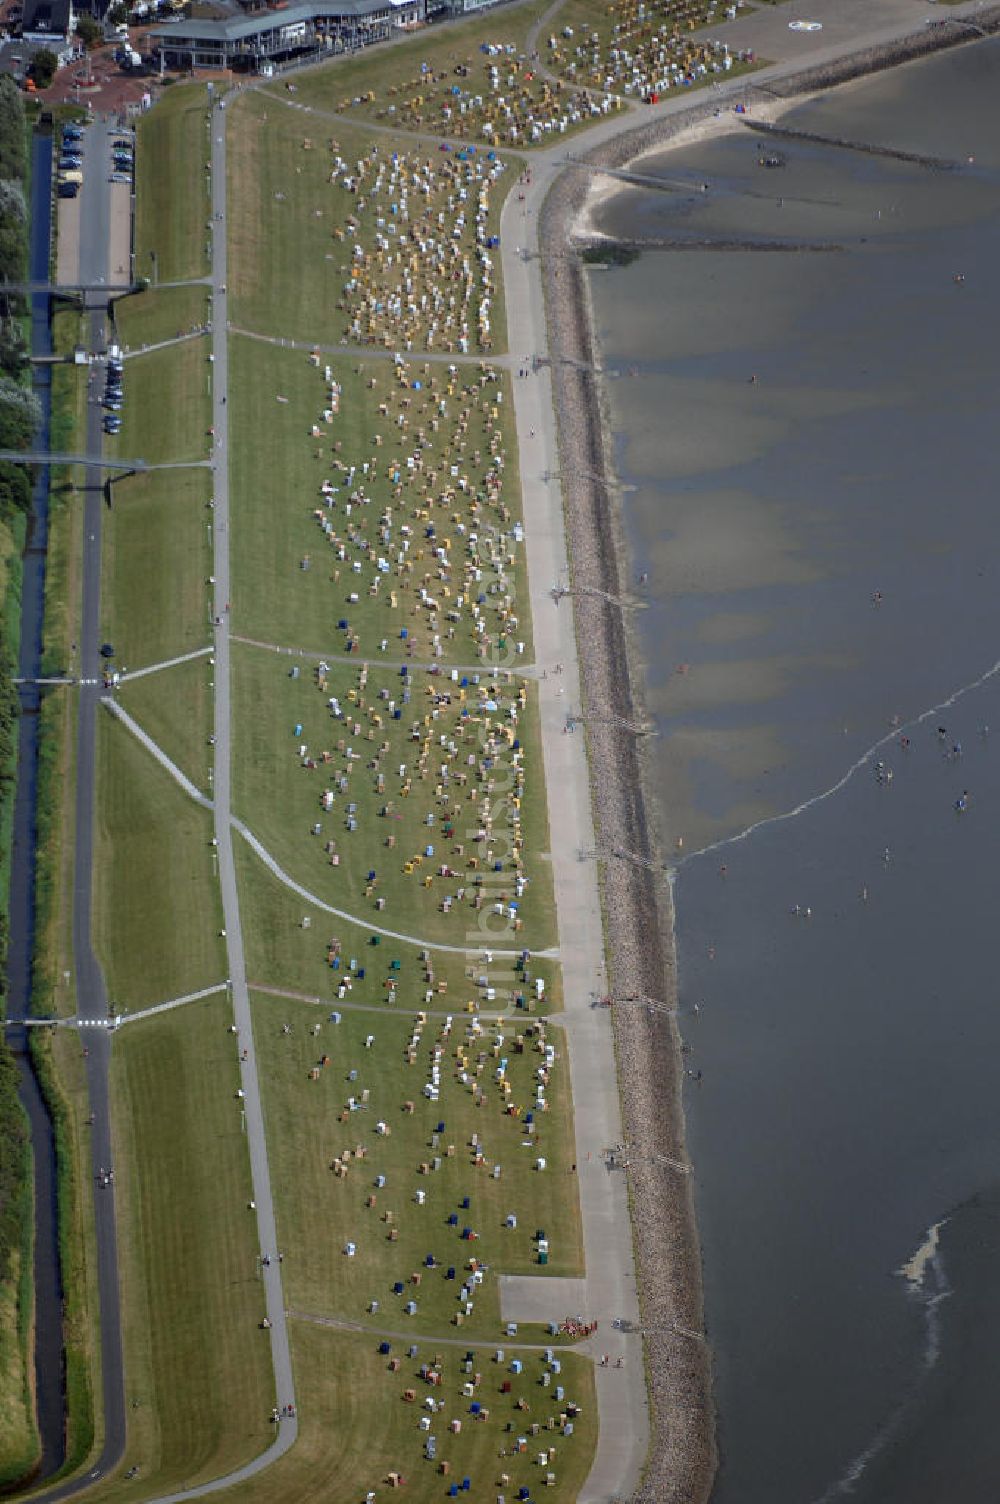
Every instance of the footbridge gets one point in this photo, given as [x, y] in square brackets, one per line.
[98, 461]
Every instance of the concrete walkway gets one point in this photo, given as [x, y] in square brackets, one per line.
[433, 1341]
[541, 1298]
[170, 1004]
[421, 941]
[259, 1169]
[156, 751]
[609, 1289]
[437, 669]
[154, 668]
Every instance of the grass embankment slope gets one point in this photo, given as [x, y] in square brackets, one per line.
[165, 416]
[301, 208]
[158, 912]
[375, 518]
[407, 835]
[160, 313]
[155, 608]
[198, 1364]
[172, 187]
[294, 945]
[357, 1425]
[479, 81]
[57, 1057]
[415, 1190]
[158, 915]
[18, 1439]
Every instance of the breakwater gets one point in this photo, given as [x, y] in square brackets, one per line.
[637, 903]
[869, 148]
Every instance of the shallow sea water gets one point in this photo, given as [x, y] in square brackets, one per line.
[821, 545]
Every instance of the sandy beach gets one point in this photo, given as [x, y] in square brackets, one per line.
[605, 680]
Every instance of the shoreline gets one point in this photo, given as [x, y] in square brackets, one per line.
[636, 904]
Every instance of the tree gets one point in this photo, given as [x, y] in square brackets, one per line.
[13, 158]
[15, 489]
[20, 415]
[13, 351]
[42, 67]
[90, 32]
[13, 250]
[118, 14]
[12, 203]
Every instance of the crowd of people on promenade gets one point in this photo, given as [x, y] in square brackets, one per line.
[448, 782]
[645, 47]
[421, 273]
[498, 95]
[421, 531]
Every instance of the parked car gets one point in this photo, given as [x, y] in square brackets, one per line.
[68, 190]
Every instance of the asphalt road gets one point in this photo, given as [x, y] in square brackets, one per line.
[92, 998]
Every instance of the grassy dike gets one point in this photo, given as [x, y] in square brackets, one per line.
[19, 1448]
[57, 1057]
[197, 1364]
[18, 1437]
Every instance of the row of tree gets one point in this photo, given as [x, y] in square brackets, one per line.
[13, 221]
[19, 410]
[18, 422]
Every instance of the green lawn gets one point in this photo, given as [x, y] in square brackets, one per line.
[355, 1427]
[145, 318]
[167, 409]
[282, 952]
[19, 1449]
[331, 239]
[172, 187]
[320, 1212]
[197, 1363]
[393, 72]
[157, 560]
[397, 798]
[443, 83]
[175, 708]
[157, 908]
[414, 543]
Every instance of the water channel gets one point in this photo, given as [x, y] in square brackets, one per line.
[49, 1377]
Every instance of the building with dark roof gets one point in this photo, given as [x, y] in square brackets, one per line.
[47, 22]
[255, 43]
